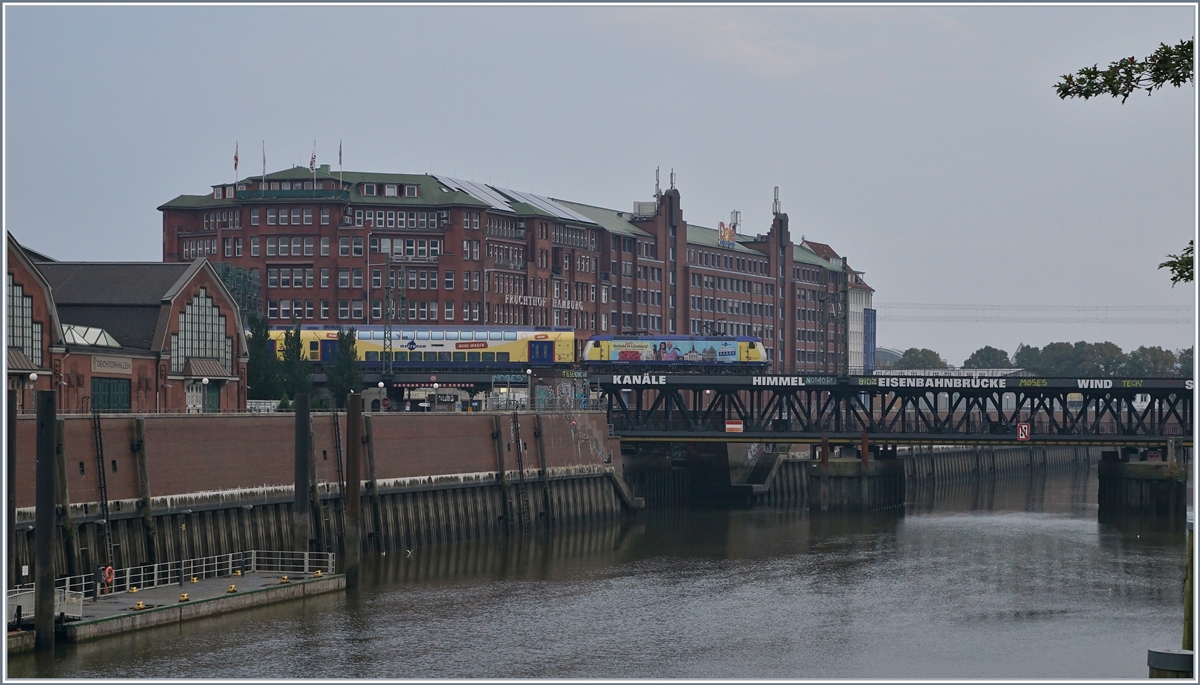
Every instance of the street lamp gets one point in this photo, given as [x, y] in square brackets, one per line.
[204, 381]
[32, 381]
[380, 384]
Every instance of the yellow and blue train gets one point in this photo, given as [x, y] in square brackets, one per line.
[515, 347]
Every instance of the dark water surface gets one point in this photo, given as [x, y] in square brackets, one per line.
[1008, 580]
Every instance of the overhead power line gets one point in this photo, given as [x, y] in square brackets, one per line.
[922, 312]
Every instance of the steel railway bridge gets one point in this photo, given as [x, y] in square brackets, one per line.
[899, 409]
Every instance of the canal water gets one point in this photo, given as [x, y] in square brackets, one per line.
[1013, 579]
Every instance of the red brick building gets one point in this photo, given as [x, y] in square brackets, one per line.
[321, 244]
[120, 337]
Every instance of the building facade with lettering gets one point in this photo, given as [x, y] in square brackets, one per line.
[121, 337]
[327, 245]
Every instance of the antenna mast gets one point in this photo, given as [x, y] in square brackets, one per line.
[775, 206]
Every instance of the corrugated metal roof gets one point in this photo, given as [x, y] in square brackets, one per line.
[204, 367]
[18, 362]
[111, 283]
[802, 254]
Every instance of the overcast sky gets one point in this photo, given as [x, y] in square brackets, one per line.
[925, 143]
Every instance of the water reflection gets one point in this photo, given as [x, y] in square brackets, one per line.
[1004, 579]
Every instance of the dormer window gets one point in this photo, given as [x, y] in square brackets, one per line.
[369, 189]
[410, 191]
[286, 185]
[217, 193]
[389, 191]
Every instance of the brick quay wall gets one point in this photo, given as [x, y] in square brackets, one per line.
[220, 483]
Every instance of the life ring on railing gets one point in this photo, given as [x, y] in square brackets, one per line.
[109, 576]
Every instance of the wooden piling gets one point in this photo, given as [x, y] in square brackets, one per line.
[301, 515]
[505, 499]
[353, 539]
[149, 524]
[44, 528]
[69, 532]
[376, 514]
[10, 459]
[545, 470]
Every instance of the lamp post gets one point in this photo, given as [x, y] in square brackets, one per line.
[529, 385]
[32, 383]
[433, 405]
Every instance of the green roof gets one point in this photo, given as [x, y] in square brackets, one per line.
[707, 237]
[609, 219]
[196, 202]
[804, 255]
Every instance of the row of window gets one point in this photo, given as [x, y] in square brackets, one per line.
[354, 310]
[809, 275]
[810, 356]
[202, 246]
[736, 285]
[811, 336]
[730, 262]
[418, 279]
[409, 247]
[739, 307]
[380, 218]
[389, 190]
[573, 236]
[229, 219]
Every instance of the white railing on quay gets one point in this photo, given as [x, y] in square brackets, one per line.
[66, 602]
[216, 566]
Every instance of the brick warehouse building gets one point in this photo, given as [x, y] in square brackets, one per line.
[320, 242]
[126, 336]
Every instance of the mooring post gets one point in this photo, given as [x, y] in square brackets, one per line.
[825, 450]
[376, 507]
[300, 506]
[353, 540]
[10, 459]
[864, 479]
[43, 532]
[70, 537]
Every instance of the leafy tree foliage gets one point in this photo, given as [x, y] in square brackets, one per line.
[1084, 359]
[343, 375]
[1168, 64]
[1184, 365]
[294, 366]
[1173, 65]
[923, 358]
[988, 357]
[262, 369]
[1182, 265]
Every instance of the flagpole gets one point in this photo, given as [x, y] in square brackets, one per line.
[312, 165]
[262, 187]
[235, 165]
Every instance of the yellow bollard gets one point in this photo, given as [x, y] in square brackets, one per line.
[284, 580]
[317, 573]
[184, 598]
[139, 606]
[232, 589]
[237, 572]
[133, 589]
[194, 579]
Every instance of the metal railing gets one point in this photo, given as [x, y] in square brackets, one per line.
[217, 566]
[66, 602]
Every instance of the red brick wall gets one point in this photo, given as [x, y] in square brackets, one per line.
[200, 452]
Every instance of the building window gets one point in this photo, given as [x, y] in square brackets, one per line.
[343, 278]
[270, 217]
[389, 191]
[449, 280]
[410, 191]
[308, 278]
[358, 218]
[229, 247]
[272, 278]
[376, 278]
[324, 309]
[358, 309]
[308, 216]
[325, 247]
[343, 247]
[324, 278]
[376, 309]
[474, 311]
[343, 309]
[202, 333]
[254, 246]
[308, 247]
[324, 216]
[369, 189]
[285, 278]
[270, 247]
[285, 309]
[237, 247]
[357, 280]
[358, 247]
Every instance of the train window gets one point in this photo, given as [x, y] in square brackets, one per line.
[438, 335]
[364, 335]
[313, 346]
[451, 335]
[509, 335]
[443, 356]
[481, 335]
[422, 335]
[495, 335]
[377, 335]
[464, 335]
[460, 356]
[489, 357]
[472, 356]
[401, 356]
[501, 356]
[407, 335]
[750, 345]
[596, 344]
[372, 356]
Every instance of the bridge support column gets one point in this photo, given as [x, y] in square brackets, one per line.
[848, 485]
[1146, 488]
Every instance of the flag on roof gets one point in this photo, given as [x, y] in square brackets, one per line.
[235, 156]
[312, 162]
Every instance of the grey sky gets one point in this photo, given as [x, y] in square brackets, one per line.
[924, 143]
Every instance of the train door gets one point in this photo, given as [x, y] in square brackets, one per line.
[328, 350]
[314, 351]
[541, 351]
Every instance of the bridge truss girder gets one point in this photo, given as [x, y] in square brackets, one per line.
[801, 414]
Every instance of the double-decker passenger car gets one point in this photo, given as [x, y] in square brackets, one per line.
[443, 346]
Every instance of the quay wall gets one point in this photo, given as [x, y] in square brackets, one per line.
[223, 483]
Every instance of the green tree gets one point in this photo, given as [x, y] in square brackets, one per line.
[923, 358]
[1150, 362]
[1182, 265]
[988, 357]
[344, 375]
[1168, 64]
[1098, 359]
[1185, 366]
[1064, 359]
[294, 367]
[262, 369]
[1027, 357]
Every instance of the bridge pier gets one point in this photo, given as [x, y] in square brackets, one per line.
[1148, 488]
[856, 485]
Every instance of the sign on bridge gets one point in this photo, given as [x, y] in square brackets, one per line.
[733, 426]
[1023, 432]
